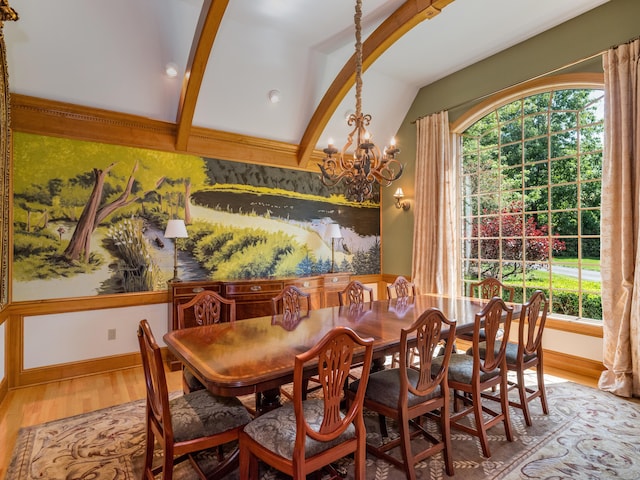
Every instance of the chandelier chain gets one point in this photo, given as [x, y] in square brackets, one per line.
[357, 19]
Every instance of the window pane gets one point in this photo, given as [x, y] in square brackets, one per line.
[591, 166]
[590, 196]
[535, 150]
[537, 199]
[535, 126]
[564, 144]
[591, 138]
[566, 247]
[512, 178]
[511, 154]
[590, 222]
[564, 170]
[511, 132]
[564, 223]
[489, 139]
[488, 160]
[470, 163]
[537, 103]
[510, 111]
[592, 306]
[536, 175]
[591, 248]
[561, 121]
[564, 196]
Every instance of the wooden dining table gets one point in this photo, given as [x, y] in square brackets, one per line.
[257, 354]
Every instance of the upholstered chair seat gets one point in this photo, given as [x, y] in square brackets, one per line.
[276, 430]
[461, 368]
[511, 351]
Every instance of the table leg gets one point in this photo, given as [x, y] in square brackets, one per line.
[267, 400]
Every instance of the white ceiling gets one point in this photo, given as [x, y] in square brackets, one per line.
[111, 55]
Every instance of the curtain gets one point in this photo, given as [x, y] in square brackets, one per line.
[620, 221]
[435, 251]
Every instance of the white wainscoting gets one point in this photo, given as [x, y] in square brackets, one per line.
[77, 336]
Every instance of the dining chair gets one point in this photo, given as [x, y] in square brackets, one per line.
[527, 353]
[401, 288]
[411, 391]
[303, 436]
[486, 289]
[186, 424]
[292, 304]
[470, 375]
[355, 293]
[205, 308]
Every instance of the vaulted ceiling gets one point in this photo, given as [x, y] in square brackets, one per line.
[230, 54]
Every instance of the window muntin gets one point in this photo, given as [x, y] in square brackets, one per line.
[530, 181]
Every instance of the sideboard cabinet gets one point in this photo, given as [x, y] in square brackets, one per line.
[253, 297]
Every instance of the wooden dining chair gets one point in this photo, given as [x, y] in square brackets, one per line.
[401, 288]
[527, 353]
[470, 375]
[291, 301]
[186, 424]
[205, 308]
[292, 304]
[303, 436]
[412, 390]
[486, 289]
[355, 293]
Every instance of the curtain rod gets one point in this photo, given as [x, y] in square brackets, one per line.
[482, 97]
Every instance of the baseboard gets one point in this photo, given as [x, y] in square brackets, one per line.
[67, 371]
[572, 364]
[4, 389]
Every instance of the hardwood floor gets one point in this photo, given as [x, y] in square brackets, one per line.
[42, 403]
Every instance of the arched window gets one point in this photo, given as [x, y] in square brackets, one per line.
[530, 176]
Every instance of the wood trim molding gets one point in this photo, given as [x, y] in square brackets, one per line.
[55, 373]
[571, 363]
[4, 389]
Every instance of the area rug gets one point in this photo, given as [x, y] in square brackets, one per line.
[588, 434]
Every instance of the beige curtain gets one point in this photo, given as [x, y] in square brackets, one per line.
[435, 250]
[620, 224]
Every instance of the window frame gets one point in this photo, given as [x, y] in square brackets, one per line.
[509, 95]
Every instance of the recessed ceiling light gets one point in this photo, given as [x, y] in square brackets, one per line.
[274, 96]
[171, 69]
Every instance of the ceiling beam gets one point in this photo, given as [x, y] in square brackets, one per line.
[407, 16]
[205, 34]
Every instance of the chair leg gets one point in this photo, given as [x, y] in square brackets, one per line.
[382, 420]
[522, 392]
[504, 402]
[405, 446]
[445, 431]
[148, 456]
[480, 426]
[543, 393]
[360, 460]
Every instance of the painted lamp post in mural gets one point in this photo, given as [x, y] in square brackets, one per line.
[175, 229]
[334, 232]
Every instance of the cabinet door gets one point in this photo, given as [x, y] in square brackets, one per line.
[253, 297]
[334, 283]
[310, 285]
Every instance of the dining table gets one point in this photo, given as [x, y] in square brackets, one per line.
[257, 355]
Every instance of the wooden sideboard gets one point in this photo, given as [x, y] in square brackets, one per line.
[253, 297]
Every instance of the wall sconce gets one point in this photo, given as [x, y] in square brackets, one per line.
[399, 195]
[175, 229]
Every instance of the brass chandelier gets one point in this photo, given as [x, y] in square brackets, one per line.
[366, 165]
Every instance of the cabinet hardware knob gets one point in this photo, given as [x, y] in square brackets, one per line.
[256, 288]
[334, 279]
[197, 289]
[305, 284]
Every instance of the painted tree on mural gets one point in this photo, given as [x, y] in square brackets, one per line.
[94, 212]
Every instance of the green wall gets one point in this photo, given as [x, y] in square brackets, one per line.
[613, 23]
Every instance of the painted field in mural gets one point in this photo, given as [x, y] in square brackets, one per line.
[89, 219]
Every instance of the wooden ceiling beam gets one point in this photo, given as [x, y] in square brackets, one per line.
[407, 16]
[205, 34]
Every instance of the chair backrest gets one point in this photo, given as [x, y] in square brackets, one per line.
[292, 301]
[533, 317]
[354, 293]
[494, 317]
[491, 287]
[334, 354]
[205, 308]
[402, 288]
[428, 330]
[155, 381]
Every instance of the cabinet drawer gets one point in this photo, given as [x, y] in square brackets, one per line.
[305, 283]
[336, 281]
[253, 288]
[191, 288]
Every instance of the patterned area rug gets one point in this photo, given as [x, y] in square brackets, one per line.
[588, 434]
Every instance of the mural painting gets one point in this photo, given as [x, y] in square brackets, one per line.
[89, 219]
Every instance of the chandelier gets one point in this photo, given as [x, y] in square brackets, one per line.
[366, 165]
